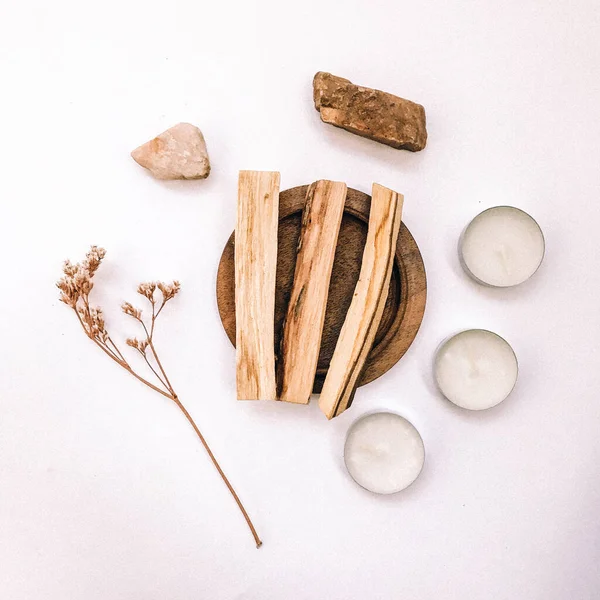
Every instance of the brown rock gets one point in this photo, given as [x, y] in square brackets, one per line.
[178, 153]
[370, 113]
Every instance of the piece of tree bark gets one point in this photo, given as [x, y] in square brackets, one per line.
[370, 113]
[255, 272]
[305, 316]
[363, 317]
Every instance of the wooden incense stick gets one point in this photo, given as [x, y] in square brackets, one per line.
[305, 316]
[255, 271]
[365, 312]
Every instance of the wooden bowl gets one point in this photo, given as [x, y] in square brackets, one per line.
[406, 299]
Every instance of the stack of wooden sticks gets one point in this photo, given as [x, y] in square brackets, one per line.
[290, 376]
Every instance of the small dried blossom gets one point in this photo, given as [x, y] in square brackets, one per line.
[93, 259]
[169, 290]
[140, 345]
[69, 269]
[68, 292]
[130, 310]
[93, 322]
[77, 280]
[147, 290]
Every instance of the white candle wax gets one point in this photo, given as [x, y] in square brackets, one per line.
[384, 453]
[476, 369]
[502, 247]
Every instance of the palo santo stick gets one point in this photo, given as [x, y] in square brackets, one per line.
[365, 312]
[303, 327]
[255, 271]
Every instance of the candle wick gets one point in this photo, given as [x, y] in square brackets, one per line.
[473, 368]
[503, 252]
[377, 450]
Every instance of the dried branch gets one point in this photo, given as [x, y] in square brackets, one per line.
[75, 287]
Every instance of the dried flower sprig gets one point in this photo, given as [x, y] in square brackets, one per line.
[75, 287]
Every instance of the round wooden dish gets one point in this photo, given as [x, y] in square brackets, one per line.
[406, 299]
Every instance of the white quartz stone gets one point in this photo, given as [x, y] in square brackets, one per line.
[178, 153]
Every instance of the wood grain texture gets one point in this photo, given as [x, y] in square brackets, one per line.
[301, 341]
[407, 293]
[366, 309]
[255, 277]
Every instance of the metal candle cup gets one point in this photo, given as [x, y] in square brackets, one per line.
[476, 369]
[384, 453]
[502, 247]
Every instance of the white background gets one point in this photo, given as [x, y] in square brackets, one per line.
[104, 490]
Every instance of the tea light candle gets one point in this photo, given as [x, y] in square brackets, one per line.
[476, 369]
[384, 453]
[502, 247]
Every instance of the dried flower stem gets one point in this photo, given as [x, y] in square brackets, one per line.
[75, 288]
[218, 467]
